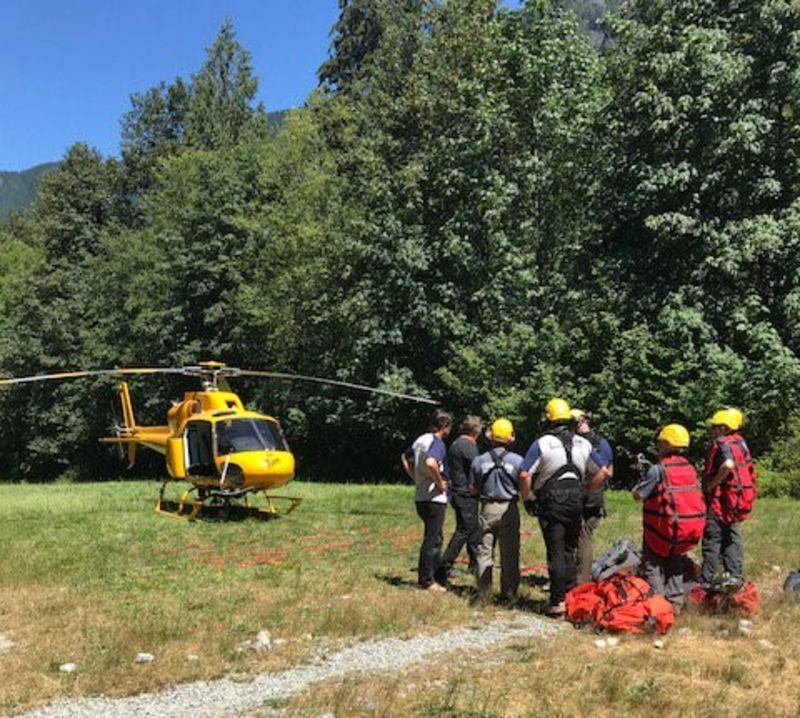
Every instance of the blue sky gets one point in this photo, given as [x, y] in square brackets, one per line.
[69, 67]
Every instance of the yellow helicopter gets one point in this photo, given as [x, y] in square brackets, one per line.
[211, 441]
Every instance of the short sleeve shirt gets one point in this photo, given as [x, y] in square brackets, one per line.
[547, 455]
[459, 459]
[429, 446]
[648, 484]
[496, 484]
[724, 453]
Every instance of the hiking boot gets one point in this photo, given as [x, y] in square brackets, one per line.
[726, 583]
[557, 612]
[435, 588]
[509, 600]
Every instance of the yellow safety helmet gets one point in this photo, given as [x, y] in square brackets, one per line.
[675, 435]
[730, 417]
[737, 419]
[557, 410]
[577, 414]
[502, 431]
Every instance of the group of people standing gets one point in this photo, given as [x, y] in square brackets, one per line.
[561, 480]
[680, 511]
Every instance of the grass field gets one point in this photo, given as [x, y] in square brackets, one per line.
[91, 575]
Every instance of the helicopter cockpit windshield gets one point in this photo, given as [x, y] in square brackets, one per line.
[236, 435]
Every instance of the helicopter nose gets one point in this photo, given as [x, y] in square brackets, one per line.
[270, 468]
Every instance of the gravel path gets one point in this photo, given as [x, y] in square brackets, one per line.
[227, 698]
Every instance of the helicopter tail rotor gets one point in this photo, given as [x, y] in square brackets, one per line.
[128, 418]
[116, 429]
[123, 431]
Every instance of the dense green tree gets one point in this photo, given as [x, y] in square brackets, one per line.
[214, 109]
[704, 177]
[476, 205]
[153, 129]
[464, 140]
[200, 209]
[356, 35]
[221, 106]
[52, 318]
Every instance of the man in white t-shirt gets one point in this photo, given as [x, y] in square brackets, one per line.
[425, 462]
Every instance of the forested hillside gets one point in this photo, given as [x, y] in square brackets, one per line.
[478, 205]
[18, 189]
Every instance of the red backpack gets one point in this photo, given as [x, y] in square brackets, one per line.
[743, 602]
[620, 603]
[733, 499]
[674, 514]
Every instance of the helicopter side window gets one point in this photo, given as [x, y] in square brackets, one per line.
[200, 457]
[235, 435]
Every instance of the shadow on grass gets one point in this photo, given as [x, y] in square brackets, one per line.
[470, 593]
[223, 513]
[536, 580]
[397, 581]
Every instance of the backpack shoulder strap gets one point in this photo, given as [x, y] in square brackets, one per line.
[566, 439]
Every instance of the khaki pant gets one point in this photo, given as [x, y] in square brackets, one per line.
[498, 520]
[585, 556]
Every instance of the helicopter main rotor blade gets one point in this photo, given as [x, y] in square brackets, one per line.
[216, 372]
[334, 382]
[84, 374]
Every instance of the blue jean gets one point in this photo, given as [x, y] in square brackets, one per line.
[430, 553]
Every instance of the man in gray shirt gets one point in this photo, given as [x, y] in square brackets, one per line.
[495, 480]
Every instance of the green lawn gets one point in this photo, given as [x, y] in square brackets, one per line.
[93, 575]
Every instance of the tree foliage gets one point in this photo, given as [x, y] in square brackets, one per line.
[477, 204]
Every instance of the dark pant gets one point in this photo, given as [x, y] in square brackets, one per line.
[721, 540]
[466, 532]
[665, 575]
[430, 553]
[560, 521]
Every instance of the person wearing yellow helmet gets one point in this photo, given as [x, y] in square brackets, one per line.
[495, 479]
[562, 467]
[460, 456]
[729, 482]
[673, 514]
[594, 510]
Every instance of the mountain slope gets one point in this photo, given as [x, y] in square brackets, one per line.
[17, 189]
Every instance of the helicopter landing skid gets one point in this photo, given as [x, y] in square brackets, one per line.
[220, 502]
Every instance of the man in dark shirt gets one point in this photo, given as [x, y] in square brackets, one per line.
[459, 458]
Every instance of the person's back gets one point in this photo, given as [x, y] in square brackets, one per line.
[560, 464]
[498, 470]
[460, 456]
[495, 478]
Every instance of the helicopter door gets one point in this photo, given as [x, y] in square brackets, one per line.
[199, 454]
